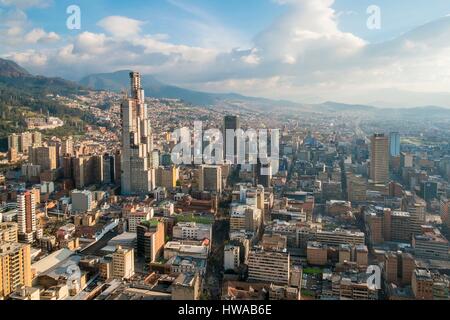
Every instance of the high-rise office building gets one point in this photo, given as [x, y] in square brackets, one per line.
[263, 174]
[394, 144]
[26, 216]
[211, 178]
[429, 190]
[109, 169]
[15, 267]
[269, 266]
[81, 201]
[138, 175]
[150, 239]
[167, 177]
[379, 158]
[123, 263]
[230, 123]
[87, 170]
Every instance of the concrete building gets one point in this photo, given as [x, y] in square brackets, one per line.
[352, 286]
[245, 217]
[211, 178]
[167, 177]
[398, 268]
[361, 255]
[15, 267]
[22, 142]
[138, 174]
[192, 231]
[150, 240]
[422, 284]
[26, 293]
[269, 266]
[406, 160]
[186, 264]
[186, 249]
[30, 171]
[317, 253]
[87, 170]
[400, 226]
[356, 188]
[284, 293]
[274, 242]
[136, 217]
[82, 200]
[26, 216]
[431, 245]
[379, 158]
[123, 263]
[231, 259]
[44, 157]
[375, 227]
[186, 287]
[9, 232]
[340, 236]
[417, 209]
[67, 147]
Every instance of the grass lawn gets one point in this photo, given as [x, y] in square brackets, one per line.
[312, 271]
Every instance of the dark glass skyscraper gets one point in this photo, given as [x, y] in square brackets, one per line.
[230, 123]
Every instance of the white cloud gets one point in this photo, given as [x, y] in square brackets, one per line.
[39, 35]
[30, 57]
[302, 55]
[121, 27]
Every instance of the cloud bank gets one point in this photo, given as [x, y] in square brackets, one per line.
[302, 55]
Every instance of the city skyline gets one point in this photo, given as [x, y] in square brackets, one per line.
[324, 49]
[147, 184]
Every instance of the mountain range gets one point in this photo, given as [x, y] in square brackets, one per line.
[21, 92]
[119, 81]
[13, 76]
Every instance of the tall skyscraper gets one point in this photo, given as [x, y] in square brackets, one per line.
[138, 174]
[230, 123]
[379, 158]
[394, 144]
[263, 174]
[26, 216]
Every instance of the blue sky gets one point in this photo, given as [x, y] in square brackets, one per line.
[303, 50]
[247, 17]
